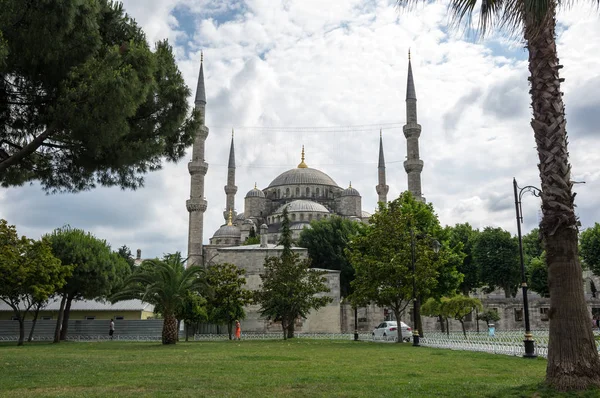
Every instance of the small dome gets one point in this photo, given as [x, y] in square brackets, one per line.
[303, 205]
[350, 192]
[228, 231]
[255, 193]
[248, 222]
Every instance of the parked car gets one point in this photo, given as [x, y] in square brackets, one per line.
[388, 330]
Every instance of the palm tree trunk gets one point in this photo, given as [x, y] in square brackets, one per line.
[573, 361]
[169, 332]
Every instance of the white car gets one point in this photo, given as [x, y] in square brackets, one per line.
[388, 330]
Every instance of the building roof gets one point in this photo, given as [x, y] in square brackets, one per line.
[228, 231]
[92, 305]
[302, 205]
[255, 193]
[350, 192]
[303, 176]
[270, 246]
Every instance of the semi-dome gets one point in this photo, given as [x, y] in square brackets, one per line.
[228, 231]
[303, 205]
[350, 191]
[302, 175]
[255, 193]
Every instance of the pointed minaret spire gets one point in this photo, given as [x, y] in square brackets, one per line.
[381, 188]
[412, 131]
[196, 204]
[230, 188]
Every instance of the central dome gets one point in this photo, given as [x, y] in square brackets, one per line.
[303, 176]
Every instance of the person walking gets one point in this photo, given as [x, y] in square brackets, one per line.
[112, 329]
[238, 330]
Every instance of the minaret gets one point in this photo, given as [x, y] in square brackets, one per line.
[196, 204]
[412, 130]
[381, 188]
[230, 188]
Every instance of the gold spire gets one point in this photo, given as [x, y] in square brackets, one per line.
[201, 56]
[229, 218]
[350, 186]
[302, 165]
[409, 53]
[255, 186]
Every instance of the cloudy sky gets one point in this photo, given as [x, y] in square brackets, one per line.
[329, 75]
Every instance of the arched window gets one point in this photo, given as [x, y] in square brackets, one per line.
[287, 192]
[307, 191]
[278, 193]
[318, 216]
[309, 217]
[297, 191]
[302, 217]
[317, 191]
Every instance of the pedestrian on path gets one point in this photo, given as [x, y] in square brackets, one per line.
[238, 330]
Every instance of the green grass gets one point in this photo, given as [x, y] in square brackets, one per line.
[295, 368]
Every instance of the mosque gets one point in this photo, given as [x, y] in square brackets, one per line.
[307, 193]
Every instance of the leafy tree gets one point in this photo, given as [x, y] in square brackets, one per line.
[252, 238]
[496, 253]
[166, 284]
[590, 248]
[97, 270]
[532, 246]
[125, 253]
[459, 307]
[462, 237]
[537, 275]
[290, 289]
[572, 363]
[84, 100]
[433, 307]
[29, 273]
[382, 257]
[191, 310]
[228, 298]
[489, 316]
[326, 241]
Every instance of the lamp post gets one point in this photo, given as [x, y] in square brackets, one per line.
[355, 323]
[416, 305]
[528, 341]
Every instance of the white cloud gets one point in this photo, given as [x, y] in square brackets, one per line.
[344, 63]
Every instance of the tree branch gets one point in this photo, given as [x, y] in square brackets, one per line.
[26, 151]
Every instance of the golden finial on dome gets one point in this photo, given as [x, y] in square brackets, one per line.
[255, 186]
[350, 186]
[201, 56]
[229, 218]
[302, 165]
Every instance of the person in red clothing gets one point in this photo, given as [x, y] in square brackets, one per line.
[238, 330]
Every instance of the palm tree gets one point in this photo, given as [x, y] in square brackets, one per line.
[573, 361]
[165, 284]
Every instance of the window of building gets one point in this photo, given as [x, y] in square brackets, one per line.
[90, 318]
[297, 191]
[293, 217]
[307, 191]
[518, 314]
[46, 318]
[544, 313]
[302, 217]
[278, 193]
[309, 217]
[119, 318]
[287, 192]
[317, 191]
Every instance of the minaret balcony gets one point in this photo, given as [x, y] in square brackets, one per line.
[230, 189]
[202, 133]
[382, 189]
[197, 167]
[412, 130]
[195, 204]
[412, 165]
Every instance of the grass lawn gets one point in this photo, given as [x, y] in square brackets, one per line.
[293, 368]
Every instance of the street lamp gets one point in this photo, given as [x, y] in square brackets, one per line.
[528, 341]
[416, 305]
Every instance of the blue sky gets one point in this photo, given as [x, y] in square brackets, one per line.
[273, 66]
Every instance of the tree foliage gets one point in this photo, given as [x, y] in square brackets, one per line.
[326, 241]
[462, 237]
[290, 289]
[166, 284]
[29, 273]
[83, 99]
[496, 253]
[489, 316]
[228, 296]
[382, 257]
[459, 307]
[97, 270]
[537, 275]
[125, 253]
[590, 248]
